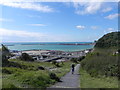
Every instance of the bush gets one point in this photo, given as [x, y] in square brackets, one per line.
[6, 71]
[36, 79]
[57, 64]
[75, 60]
[4, 60]
[54, 62]
[41, 68]
[17, 65]
[54, 76]
[26, 57]
[10, 86]
[81, 58]
[93, 73]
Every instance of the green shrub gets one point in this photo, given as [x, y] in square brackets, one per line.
[9, 86]
[26, 57]
[12, 70]
[17, 65]
[81, 58]
[54, 62]
[75, 60]
[54, 76]
[4, 70]
[41, 68]
[36, 79]
[57, 64]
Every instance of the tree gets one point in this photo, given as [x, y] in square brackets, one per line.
[5, 50]
[26, 57]
[95, 41]
[5, 55]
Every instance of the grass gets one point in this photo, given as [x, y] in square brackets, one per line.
[27, 75]
[32, 65]
[86, 81]
[23, 78]
[101, 62]
[0, 80]
[61, 71]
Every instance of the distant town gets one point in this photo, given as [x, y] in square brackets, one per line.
[51, 55]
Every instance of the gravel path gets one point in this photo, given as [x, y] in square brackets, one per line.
[69, 80]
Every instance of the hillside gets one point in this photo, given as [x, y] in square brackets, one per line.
[109, 40]
[104, 59]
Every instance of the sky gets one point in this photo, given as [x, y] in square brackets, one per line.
[57, 21]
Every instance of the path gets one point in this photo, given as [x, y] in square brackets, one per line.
[69, 80]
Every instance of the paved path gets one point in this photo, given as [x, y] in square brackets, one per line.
[69, 80]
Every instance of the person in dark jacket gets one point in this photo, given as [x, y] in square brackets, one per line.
[73, 67]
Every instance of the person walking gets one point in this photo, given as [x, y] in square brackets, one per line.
[73, 67]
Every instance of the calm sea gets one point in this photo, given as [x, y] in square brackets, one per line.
[48, 46]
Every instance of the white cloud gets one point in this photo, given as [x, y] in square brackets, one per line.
[80, 27]
[112, 16]
[5, 20]
[34, 16]
[26, 36]
[107, 9]
[94, 27]
[60, 0]
[29, 6]
[87, 7]
[110, 29]
[83, 7]
[37, 24]
[18, 33]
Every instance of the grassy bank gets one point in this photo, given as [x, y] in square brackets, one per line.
[101, 62]
[1, 83]
[86, 81]
[29, 74]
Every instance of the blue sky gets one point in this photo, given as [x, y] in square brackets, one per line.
[57, 21]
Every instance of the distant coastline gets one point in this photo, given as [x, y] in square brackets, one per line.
[56, 50]
[63, 44]
[57, 46]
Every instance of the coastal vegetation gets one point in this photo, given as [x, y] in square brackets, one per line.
[31, 75]
[77, 60]
[99, 68]
[104, 60]
[87, 81]
[110, 40]
[22, 73]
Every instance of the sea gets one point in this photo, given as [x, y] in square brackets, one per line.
[48, 46]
